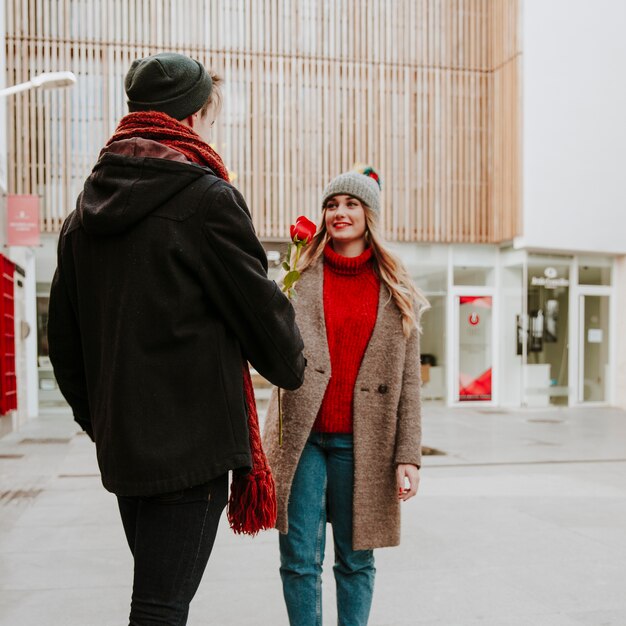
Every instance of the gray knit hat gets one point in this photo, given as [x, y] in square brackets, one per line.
[168, 82]
[362, 183]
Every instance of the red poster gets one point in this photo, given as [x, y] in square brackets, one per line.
[475, 348]
[22, 220]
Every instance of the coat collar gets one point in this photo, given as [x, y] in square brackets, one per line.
[310, 318]
[309, 308]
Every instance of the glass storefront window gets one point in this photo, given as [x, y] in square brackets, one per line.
[431, 280]
[594, 348]
[429, 271]
[433, 349]
[594, 271]
[547, 332]
[473, 276]
[474, 266]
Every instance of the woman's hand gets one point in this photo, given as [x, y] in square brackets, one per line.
[410, 472]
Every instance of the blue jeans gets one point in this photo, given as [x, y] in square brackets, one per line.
[321, 492]
[171, 537]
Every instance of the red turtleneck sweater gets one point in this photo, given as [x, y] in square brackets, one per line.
[351, 289]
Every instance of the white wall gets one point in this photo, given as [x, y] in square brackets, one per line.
[3, 122]
[574, 128]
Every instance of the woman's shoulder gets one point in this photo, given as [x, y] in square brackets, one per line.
[313, 271]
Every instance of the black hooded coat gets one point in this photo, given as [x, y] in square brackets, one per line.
[161, 291]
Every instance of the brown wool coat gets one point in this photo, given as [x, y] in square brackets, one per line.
[387, 414]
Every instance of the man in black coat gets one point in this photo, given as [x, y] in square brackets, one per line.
[160, 296]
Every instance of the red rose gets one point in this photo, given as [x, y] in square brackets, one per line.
[302, 230]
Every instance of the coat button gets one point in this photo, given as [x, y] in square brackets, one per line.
[382, 389]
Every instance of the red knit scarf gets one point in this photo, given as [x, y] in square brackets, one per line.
[252, 503]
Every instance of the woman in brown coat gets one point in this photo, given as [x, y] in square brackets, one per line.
[351, 433]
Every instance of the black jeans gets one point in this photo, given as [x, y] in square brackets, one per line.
[171, 537]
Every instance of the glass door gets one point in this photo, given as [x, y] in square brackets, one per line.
[593, 348]
[545, 331]
[475, 348]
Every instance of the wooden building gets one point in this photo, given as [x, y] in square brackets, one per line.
[428, 91]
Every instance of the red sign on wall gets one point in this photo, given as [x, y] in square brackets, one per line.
[22, 220]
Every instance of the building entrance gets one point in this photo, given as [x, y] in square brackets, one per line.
[546, 371]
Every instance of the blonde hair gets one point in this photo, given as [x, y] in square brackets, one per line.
[407, 297]
[215, 98]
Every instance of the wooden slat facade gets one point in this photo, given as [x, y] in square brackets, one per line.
[428, 91]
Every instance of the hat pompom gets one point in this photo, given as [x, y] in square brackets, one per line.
[368, 170]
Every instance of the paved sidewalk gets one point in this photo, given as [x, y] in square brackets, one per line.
[521, 523]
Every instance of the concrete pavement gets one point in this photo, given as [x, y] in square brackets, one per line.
[521, 523]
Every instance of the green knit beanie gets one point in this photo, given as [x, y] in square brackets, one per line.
[168, 82]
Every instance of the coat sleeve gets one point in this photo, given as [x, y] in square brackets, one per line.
[251, 304]
[65, 343]
[409, 425]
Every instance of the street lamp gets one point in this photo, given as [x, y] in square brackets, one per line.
[47, 80]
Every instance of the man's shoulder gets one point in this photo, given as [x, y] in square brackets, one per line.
[70, 224]
[220, 196]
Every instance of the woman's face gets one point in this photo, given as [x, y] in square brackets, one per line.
[345, 218]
